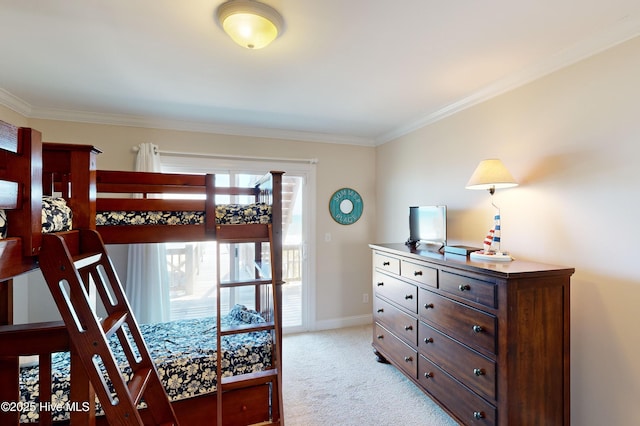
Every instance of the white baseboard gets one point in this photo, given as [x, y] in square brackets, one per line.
[343, 322]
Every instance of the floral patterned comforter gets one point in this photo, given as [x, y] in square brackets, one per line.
[184, 352]
[232, 214]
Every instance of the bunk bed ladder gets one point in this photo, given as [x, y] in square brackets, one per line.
[72, 263]
[271, 377]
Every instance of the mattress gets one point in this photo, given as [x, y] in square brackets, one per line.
[184, 352]
[234, 214]
[56, 216]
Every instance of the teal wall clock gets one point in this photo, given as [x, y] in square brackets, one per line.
[345, 206]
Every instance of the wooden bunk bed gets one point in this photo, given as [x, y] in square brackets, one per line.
[30, 169]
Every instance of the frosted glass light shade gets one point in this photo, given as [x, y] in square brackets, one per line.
[249, 23]
[491, 174]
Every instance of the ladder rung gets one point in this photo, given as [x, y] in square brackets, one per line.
[245, 283]
[249, 379]
[86, 259]
[247, 328]
[113, 322]
[138, 383]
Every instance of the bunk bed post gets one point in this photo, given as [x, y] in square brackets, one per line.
[276, 220]
[6, 302]
[210, 204]
[75, 165]
[25, 166]
[81, 391]
[9, 391]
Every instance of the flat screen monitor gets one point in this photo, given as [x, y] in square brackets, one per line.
[428, 225]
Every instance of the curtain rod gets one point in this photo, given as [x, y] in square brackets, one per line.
[235, 157]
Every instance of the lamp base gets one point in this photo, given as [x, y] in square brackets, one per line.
[493, 256]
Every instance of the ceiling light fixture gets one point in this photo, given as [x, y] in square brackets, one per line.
[250, 23]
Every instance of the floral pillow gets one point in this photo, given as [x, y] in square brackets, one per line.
[249, 316]
[56, 215]
[3, 224]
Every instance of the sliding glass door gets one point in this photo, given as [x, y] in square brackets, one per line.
[192, 265]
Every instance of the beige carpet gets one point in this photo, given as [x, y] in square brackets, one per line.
[332, 378]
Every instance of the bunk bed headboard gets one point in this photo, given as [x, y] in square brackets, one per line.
[21, 174]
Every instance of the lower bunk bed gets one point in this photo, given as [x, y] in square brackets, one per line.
[66, 175]
[184, 352]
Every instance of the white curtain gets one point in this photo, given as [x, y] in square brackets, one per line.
[147, 283]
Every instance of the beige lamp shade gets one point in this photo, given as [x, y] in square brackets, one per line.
[250, 23]
[491, 174]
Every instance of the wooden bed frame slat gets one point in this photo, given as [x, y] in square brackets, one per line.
[148, 204]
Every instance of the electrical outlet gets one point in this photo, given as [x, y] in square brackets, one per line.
[365, 297]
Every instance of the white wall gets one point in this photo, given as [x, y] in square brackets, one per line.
[571, 140]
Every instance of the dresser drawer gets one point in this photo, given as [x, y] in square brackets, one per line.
[386, 263]
[395, 350]
[468, 288]
[397, 291]
[470, 326]
[421, 273]
[402, 325]
[466, 405]
[471, 368]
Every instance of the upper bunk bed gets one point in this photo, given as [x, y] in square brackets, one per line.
[124, 206]
[143, 207]
[32, 171]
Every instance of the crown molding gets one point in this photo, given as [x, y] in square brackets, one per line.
[14, 103]
[29, 111]
[624, 30]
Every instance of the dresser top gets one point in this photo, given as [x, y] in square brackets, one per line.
[511, 269]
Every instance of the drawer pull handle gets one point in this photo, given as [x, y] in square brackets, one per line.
[408, 296]
[428, 305]
[408, 327]
[478, 415]
[428, 340]
[380, 284]
[417, 273]
[380, 310]
[428, 375]
[380, 337]
[464, 287]
[386, 263]
[408, 359]
[477, 329]
[478, 371]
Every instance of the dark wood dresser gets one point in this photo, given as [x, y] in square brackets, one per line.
[489, 342]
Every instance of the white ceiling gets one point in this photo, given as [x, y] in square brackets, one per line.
[344, 71]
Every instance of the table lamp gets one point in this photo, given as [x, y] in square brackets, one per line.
[491, 175]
